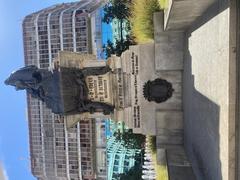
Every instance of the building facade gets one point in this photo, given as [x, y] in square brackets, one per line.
[119, 158]
[116, 29]
[58, 153]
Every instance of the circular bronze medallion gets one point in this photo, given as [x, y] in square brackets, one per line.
[158, 90]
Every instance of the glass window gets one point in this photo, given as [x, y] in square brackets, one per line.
[116, 162]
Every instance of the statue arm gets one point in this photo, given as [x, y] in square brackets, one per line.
[37, 93]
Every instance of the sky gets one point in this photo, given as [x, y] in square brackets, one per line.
[14, 145]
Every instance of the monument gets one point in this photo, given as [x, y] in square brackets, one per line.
[79, 86]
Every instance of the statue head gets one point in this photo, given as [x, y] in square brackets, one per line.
[24, 78]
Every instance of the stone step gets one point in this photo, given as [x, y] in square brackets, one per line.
[171, 76]
[161, 157]
[174, 140]
[181, 173]
[168, 146]
[171, 120]
[177, 163]
[177, 157]
[170, 132]
[168, 56]
[179, 167]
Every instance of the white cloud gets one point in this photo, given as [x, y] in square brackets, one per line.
[3, 173]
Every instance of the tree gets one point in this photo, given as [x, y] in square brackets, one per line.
[109, 49]
[119, 9]
[135, 173]
[120, 46]
[131, 140]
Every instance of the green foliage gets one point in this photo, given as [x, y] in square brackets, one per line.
[153, 145]
[119, 48]
[163, 4]
[119, 9]
[131, 140]
[135, 173]
[161, 170]
[108, 13]
[142, 19]
[109, 48]
[122, 46]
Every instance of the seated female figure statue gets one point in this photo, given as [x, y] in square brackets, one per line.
[64, 91]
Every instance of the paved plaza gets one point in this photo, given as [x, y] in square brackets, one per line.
[208, 95]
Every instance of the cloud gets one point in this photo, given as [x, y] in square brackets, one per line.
[3, 173]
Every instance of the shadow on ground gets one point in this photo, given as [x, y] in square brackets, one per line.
[201, 115]
[201, 129]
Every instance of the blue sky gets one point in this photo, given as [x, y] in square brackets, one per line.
[14, 148]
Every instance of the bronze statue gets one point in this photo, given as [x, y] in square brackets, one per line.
[64, 92]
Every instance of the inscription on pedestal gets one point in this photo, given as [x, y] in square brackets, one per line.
[136, 113]
[99, 89]
[120, 95]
